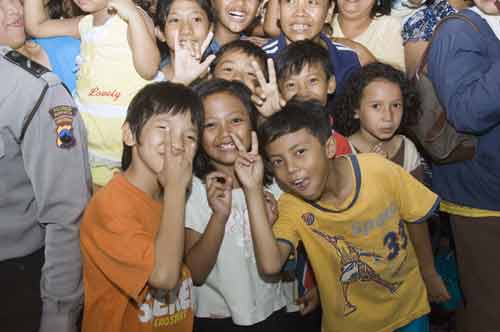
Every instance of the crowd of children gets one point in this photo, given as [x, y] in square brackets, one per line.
[216, 150]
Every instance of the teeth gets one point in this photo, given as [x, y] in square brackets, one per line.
[297, 182]
[300, 27]
[237, 14]
[227, 146]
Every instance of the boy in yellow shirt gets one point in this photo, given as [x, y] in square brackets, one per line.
[348, 211]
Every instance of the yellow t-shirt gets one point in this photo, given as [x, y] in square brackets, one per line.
[365, 265]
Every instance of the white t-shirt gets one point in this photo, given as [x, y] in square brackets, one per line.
[382, 38]
[234, 287]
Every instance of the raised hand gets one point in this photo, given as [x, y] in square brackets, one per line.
[187, 56]
[177, 169]
[271, 207]
[219, 192]
[267, 97]
[248, 165]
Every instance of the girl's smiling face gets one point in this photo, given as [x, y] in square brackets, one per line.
[380, 110]
[225, 114]
[235, 15]
[188, 20]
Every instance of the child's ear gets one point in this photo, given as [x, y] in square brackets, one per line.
[330, 147]
[160, 35]
[127, 135]
[332, 84]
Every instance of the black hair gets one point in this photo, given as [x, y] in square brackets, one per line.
[380, 8]
[247, 48]
[293, 58]
[295, 116]
[163, 9]
[62, 9]
[159, 98]
[350, 99]
[202, 165]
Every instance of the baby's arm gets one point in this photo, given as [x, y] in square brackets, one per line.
[419, 235]
[202, 250]
[38, 24]
[141, 38]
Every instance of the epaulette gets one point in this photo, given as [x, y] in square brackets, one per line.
[32, 67]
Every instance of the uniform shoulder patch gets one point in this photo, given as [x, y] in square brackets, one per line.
[63, 117]
[32, 67]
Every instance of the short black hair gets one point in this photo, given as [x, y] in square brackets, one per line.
[350, 99]
[293, 58]
[159, 98]
[295, 116]
[202, 165]
[163, 9]
[246, 47]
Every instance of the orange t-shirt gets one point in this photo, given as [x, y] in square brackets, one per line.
[117, 238]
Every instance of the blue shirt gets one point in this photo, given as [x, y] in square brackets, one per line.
[464, 66]
[62, 53]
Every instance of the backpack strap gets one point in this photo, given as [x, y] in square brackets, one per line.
[422, 66]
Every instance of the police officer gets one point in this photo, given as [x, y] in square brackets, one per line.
[44, 187]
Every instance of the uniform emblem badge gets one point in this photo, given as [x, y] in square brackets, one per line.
[308, 218]
[63, 117]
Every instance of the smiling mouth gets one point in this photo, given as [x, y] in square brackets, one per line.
[300, 27]
[19, 23]
[300, 184]
[227, 147]
[237, 15]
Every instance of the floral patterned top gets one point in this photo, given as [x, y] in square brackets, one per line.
[421, 24]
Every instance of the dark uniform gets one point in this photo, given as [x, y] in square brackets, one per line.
[44, 187]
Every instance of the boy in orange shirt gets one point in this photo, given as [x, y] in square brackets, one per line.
[132, 234]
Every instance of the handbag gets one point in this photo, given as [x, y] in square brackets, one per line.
[432, 131]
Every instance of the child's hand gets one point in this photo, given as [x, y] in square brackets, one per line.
[309, 301]
[267, 97]
[380, 150]
[436, 288]
[248, 165]
[187, 66]
[177, 169]
[271, 207]
[124, 8]
[219, 193]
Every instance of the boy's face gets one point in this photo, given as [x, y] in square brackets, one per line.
[11, 23]
[187, 20]
[237, 66]
[148, 151]
[310, 84]
[235, 15]
[301, 163]
[302, 19]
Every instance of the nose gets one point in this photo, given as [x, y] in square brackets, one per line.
[177, 144]
[304, 93]
[301, 8]
[185, 29]
[223, 131]
[388, 114]
[238, 76]
[291, 166]
[14, 7]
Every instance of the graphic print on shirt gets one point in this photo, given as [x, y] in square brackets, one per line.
[166, 310]
[353, 269]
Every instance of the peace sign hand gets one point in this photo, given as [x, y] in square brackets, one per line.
[187, 56]
[248, 165]
[177, 169]
[267, 97]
